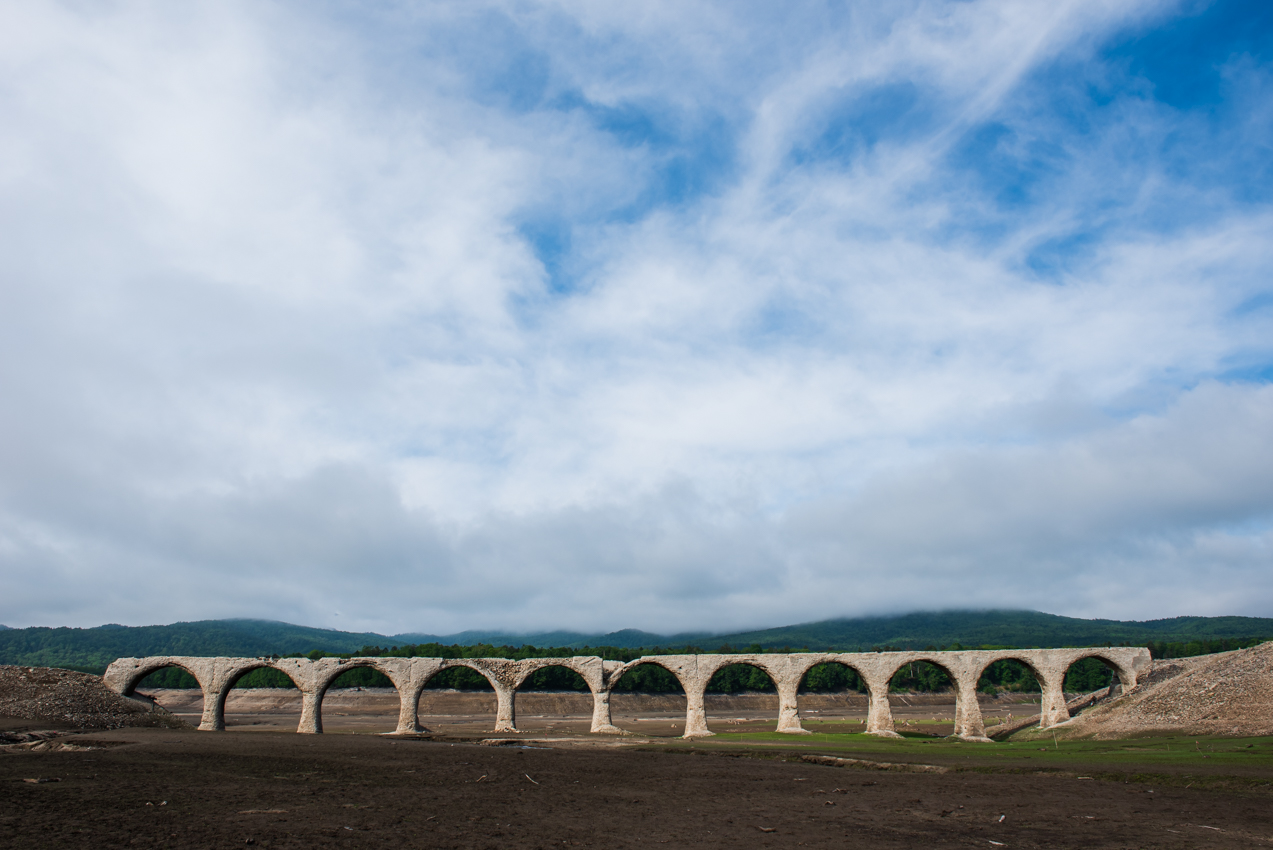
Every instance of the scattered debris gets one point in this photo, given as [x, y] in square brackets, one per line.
[834, 761]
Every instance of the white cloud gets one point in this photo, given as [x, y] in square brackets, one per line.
[273, 343]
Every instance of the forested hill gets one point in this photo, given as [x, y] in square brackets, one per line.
[966, 628]
[999, 628]
[94, 648]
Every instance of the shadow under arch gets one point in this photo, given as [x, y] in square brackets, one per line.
[744, 675]
[168, 676]
[1011, 674]
[452, 675]
[138, 677]
[834, 677]
[554, 690]
[647, 686]
[922, 675]
[555, 677]
[1090, 672]
[739, 676]
[232, 679]
[356, 673]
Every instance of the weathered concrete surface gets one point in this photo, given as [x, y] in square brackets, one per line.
[216, 676]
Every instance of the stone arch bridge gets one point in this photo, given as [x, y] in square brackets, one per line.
[216, 676]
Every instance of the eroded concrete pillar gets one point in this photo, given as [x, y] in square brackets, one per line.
[788, 708]
[311, 712]
[879, 714]
[601, 722]
[408, 711]
[213, 719]
[696, 712]
[969, 725]
[410, 678]
[505, 709]
[1052, 708]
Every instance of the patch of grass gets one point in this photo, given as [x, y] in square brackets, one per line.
[1244, 763]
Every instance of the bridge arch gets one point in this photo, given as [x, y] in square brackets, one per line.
[1020, 657]
[1125, 674]
[129, 682]
[588, 673]
[499, 673]
[471, 664]
[137, 679]
[230, 676]
[960, 681]
[725, 678]
[124, 674]
[670, 672]
[1044, 676]
[660, 661]
[811, 668]
[718, 678]
[324, 679]
[585, 670]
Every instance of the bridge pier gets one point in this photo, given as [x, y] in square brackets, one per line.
[788, 707]
[879, 714]
[213, 719]
[601, 722]
[969, 725]
[506, 709]
[1052, 709]
[409, 710]
[696, 712]
[311, 712]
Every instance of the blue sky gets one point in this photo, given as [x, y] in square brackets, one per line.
[435, 316]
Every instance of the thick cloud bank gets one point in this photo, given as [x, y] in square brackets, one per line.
[434, 316]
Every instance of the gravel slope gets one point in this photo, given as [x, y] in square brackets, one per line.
[1230, 693]
[70, 699]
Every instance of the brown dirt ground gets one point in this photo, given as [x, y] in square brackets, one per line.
[650, 715]
[169, 788]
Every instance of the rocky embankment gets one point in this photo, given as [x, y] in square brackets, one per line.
[68, 699]
[1230, 693]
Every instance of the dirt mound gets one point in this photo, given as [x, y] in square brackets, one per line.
[77, 700]
[1230, 693]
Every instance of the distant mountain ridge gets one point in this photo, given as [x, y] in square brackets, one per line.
[94, 648]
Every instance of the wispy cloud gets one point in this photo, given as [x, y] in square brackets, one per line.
[673, 316]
